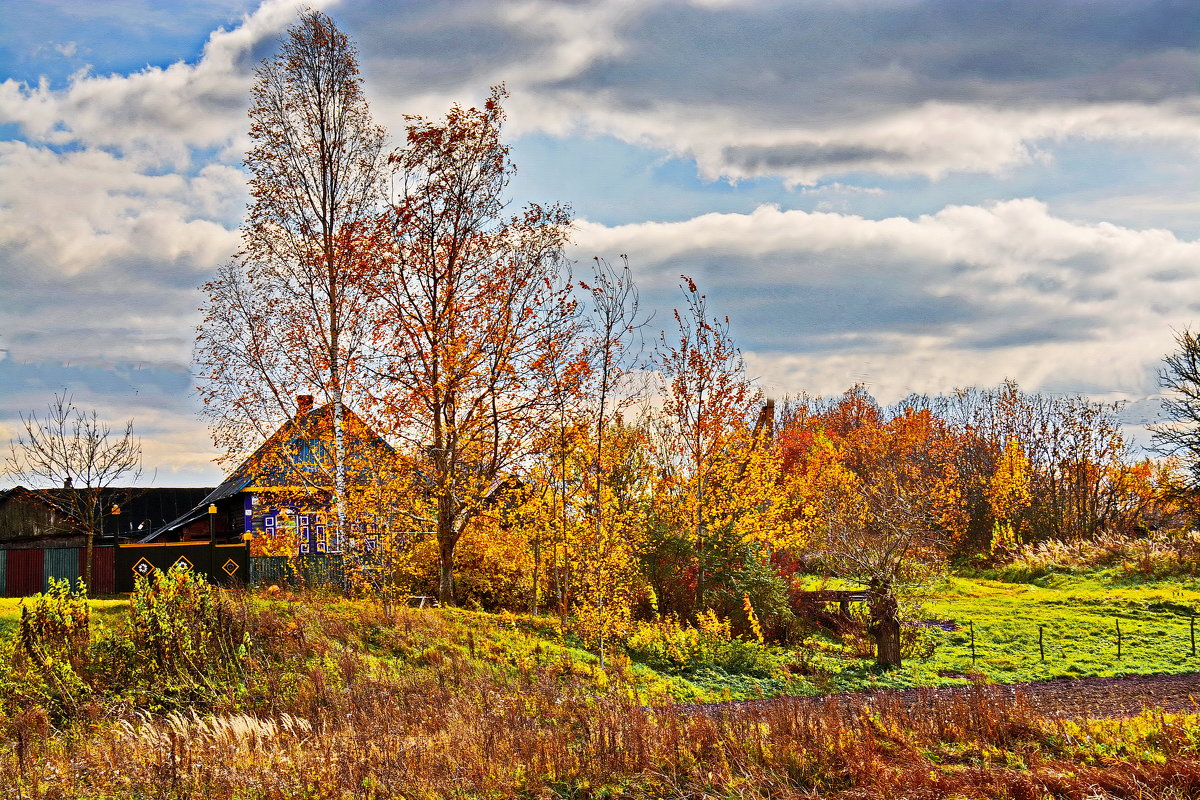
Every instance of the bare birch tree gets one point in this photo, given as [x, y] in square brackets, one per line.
[286, 317]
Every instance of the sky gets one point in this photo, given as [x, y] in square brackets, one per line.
[912, 195]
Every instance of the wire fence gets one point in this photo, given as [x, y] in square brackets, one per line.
[1117, 641]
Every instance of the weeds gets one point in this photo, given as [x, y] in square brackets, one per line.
[476, 736]
[1161, 554]
[669, 645]
[335, 701]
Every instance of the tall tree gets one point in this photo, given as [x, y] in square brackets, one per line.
[473, 312]
[73, 449]
[606, 550]
[286, 317]
[706, 405]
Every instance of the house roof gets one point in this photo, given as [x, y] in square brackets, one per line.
[250, 472]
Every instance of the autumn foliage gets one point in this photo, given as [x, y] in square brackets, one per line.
[528, 455]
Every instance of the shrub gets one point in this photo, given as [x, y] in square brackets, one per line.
[52, 662]
[188, 640]
[183, 644]
[669, 645]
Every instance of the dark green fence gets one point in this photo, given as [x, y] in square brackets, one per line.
[311, 571]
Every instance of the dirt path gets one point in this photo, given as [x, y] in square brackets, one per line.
[1114, 697]
[1080, 697]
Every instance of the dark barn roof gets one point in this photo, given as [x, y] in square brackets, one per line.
[150, 508]
[154, 508]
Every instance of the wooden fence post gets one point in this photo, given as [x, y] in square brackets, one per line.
[1118, 640]
[1192, 631]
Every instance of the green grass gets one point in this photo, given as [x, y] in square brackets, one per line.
[1076, 613]
[1078, 616]
[104, 611]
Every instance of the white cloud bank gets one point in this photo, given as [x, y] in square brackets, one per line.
[967, 296]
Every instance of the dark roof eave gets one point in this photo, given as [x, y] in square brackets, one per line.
[226, 489]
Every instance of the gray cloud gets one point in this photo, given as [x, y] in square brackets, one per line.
[127, 191]
[839, 60]
[759, 159]
[802, 91]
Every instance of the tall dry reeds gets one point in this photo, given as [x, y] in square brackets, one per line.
[458, 734]
[339, 703]
[1161, 554]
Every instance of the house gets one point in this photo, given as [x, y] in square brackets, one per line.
[281, 495]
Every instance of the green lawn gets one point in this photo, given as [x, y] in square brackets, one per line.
[10, 612]
[102, 610]
[1077, 616]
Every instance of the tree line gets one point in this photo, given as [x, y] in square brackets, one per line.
[551, 455]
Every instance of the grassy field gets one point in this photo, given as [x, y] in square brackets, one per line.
[332, 700]
[1077, 616]
[104, 610]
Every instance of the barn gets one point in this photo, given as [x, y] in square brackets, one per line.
[42, 538]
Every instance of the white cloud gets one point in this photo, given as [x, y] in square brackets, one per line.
[931, 140]
[104, 261]
[969, 295]
[155, 116]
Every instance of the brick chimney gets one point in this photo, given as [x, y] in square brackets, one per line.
[304, 404]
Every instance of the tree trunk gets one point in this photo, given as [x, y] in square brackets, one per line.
[887, 643]
[446, 568]
[885, 624]
[537, 564]
[87, 567]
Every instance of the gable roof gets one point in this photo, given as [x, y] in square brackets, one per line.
[250, 473]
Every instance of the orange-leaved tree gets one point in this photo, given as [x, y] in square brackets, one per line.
[879, 498]
[473, 309]
[881, 495]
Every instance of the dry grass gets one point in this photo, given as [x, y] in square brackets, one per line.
[338, 703]
[1162, 554]
[463, 736]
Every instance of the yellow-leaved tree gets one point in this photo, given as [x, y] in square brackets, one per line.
[717, 500]
[1008, 495]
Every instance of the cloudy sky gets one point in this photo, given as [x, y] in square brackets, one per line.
[911, 194]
